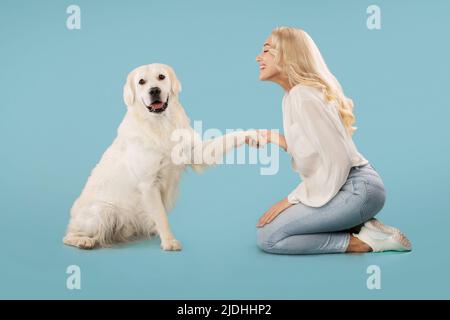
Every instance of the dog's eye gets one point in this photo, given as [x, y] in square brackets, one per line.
[142, 82]
[161, 77]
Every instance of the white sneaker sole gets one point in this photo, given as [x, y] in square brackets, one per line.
[399, 236]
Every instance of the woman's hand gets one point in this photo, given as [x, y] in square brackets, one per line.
[257, 138]
[273, 212]
[264, 136]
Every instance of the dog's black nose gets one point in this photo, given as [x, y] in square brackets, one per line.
[155, 91]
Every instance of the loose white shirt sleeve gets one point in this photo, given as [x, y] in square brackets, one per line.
[322, 151]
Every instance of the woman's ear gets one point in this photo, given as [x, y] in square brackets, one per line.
[175, 84]
[128, 90]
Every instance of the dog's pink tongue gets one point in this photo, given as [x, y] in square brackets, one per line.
[157, 105]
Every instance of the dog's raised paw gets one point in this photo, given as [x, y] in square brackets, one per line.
[80, 242]
[171, 245]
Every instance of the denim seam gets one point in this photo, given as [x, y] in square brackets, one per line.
[376, 185]
[365, 202]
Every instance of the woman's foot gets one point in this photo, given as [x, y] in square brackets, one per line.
[381, 237]
[357, 246]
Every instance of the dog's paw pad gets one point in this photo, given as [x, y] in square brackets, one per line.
[171, 245]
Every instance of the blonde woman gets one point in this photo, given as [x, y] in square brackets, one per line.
[332, 210]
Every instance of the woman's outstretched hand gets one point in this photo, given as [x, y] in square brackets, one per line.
[258, 138]
[273, 212]
[264, 136]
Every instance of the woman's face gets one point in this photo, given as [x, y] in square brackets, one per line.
[267, 67]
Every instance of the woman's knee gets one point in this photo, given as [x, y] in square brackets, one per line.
[281, 245]
[270, 240]
[264, 239]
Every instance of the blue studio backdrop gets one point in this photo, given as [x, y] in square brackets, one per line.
[61, 103]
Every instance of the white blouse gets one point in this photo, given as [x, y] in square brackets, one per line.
[322, 151]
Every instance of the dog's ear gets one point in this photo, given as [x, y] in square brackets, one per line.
[128, 90]
[175, 83]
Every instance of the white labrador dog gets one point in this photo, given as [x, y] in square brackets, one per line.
[131, 189]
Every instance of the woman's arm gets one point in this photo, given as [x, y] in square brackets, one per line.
[267, 136]
[278, 139]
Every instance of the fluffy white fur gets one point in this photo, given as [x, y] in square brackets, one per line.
[132, 188]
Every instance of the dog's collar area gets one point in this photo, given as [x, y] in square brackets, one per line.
[159, 110]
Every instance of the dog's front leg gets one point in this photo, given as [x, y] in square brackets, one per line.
[153, 205]
[212, 151]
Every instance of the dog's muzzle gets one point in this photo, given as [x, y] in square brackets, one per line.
[158, 106]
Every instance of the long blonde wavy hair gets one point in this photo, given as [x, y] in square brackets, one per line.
[298, 57]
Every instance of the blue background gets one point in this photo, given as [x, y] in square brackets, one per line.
[61, 103]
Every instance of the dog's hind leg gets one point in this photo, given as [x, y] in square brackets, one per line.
[79, 241]
[90, 227]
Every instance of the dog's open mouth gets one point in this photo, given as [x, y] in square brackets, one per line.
[158, 106]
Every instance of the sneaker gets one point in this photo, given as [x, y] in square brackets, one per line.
[381, 237]
[377, 225]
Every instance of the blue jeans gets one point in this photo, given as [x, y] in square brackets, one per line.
[301, 229]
